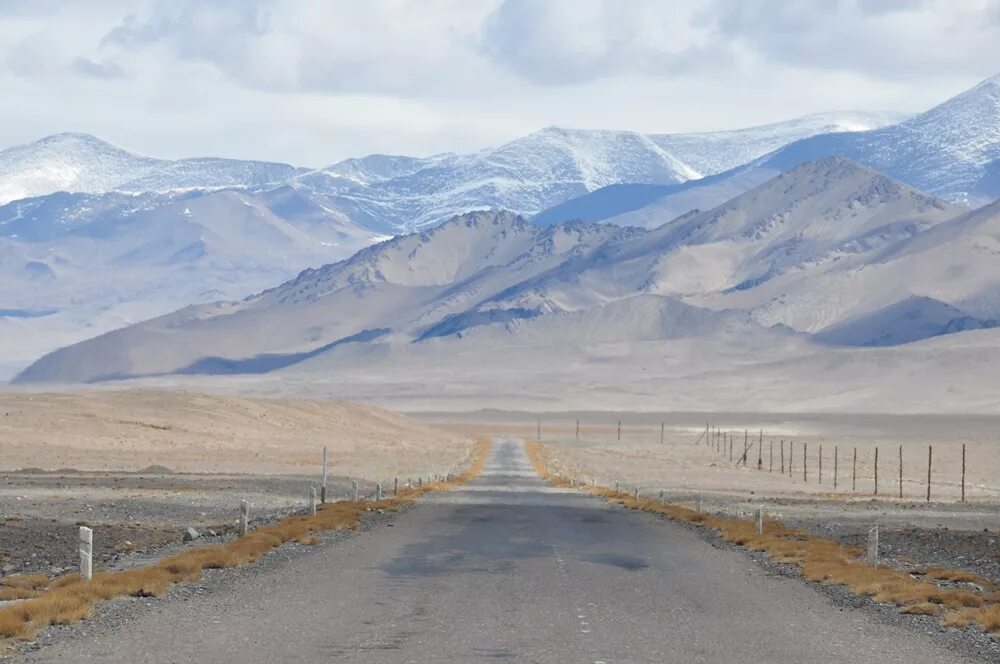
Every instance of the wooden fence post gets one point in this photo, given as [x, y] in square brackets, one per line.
[760, 451]
[791, 457]
[662, 425]
[900, 471]
[730, 447]
[539, 432]
[395, 486]
[820, 464]
[86, 553]
[876, 470]
[619, 430]
[836, 463]
[854, 471]
[805, 462]
[746, 446]
[578, 431]
[770, 467]
[323, 485]
[930, 463]
[963, 472]
[782, 457]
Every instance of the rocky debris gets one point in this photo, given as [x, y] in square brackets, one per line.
[190, 534]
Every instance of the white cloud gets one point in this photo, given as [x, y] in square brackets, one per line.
[312, 81]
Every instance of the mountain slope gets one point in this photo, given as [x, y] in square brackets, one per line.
[825, 215]
[81, 163]
[716, 152]
[951, 151]
[941, 280]
[494, 278]
[67, 162]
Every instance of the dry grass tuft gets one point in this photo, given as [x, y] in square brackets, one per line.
[25, 581]
[826, 561]
[8, 594]
[70, 599]
[922, 609]
[955, 575]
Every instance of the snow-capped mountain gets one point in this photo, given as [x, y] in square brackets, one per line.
[494, 280]
[715, 152]
[553, 165]
[81, 163]
[67, 162]
[951, 151]
[398, 193]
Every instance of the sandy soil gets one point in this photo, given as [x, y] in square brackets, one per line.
[140, 466]
[191, 432]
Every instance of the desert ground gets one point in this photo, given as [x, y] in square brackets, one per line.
[141, 466]
[689, 469]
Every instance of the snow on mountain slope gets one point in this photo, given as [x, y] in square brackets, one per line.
[67, 162]
[210, 173]
[81, 163]
[715, 152]
[525, 175]
[554, 165]
[394, 193]
[951, 151]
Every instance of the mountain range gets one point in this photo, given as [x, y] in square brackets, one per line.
[138, 236]
[826, 255]
[143, 236]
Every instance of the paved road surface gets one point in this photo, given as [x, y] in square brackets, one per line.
[510, 569]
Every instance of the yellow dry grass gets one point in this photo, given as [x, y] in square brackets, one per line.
[826, 561]
[71, 599]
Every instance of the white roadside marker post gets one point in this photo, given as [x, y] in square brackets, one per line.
[312, 500]
[86, 553]
[758, 517]
[244, 517]
[873, 545]
[354, 484]
[378, 491]
[636, 494]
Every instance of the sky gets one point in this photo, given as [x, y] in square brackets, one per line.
[311, 82]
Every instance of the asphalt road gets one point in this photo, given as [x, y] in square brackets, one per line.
[509, 569]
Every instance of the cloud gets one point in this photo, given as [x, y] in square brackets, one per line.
[883, 39]
[101, 70]
[563, 42]
[287, 45]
